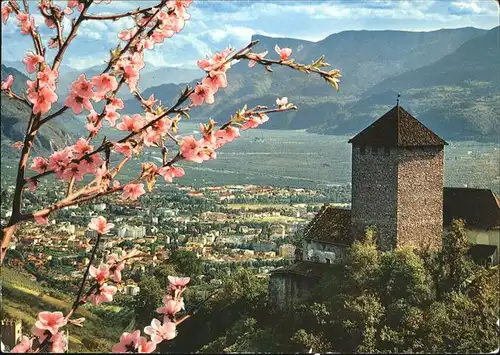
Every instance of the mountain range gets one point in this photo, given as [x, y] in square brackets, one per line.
[447, 78]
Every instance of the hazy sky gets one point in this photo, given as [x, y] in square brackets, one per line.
[216, 24]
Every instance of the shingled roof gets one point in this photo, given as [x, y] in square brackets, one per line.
[397, 128]
[305, 268]
[479, 208]
[330, 225]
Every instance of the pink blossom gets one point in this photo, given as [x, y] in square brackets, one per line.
[131, 74]
[6, 10]
[90, 163]
[255, 57]
[32, 60]
[7, 83]
[116, 266]
[73, 171]
[75, 3]
[217, 62]
[160, 332]
[94, 129]
[26, 343]
[149, 102]
[123, 148]
[47, 77]
[42, 100]
[215, 80]
[202, 93]
[178, 283]
[282, 102]
[41, 219]
[115, 104]
[159, 35]
[105, 293]
[189, 149]
[77, 103]
[26, 22]
[131, 124]
[171, 306]
[59, 160]
[50, 321]
[105, 83]
[133, 342]
[101, 273]
[112, 117]
[133, 191]
[82, 87]
[169, 172]
[126, 35]
[227, 134]
[59, 343]
[255, 121]
[100, 225]
[82, 147]
[41, 334]
[284, 53]
[176, 22]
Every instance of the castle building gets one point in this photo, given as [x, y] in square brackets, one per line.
[397, 187]
[397, 181]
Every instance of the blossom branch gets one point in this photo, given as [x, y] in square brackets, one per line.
[77, 302]
[119, 16]
[72, 34]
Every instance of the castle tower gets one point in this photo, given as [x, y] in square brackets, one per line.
[397, 182]
[12, 330]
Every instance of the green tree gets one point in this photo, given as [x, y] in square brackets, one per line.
[162, 271]
[187, 263]
[147, 301]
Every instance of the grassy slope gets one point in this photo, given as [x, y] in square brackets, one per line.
[22, 299]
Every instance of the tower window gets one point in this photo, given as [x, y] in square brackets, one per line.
[387, 150]
[328, 261]
[362, 149]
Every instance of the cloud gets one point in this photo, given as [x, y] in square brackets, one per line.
[466, 8]
[215, 25]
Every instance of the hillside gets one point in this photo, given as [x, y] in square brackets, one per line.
[457, 96]
[24, 299]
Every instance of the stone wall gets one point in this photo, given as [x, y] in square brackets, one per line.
[400, 192]
[420, 197]
[325, 253]
[374, 193]
[285, 289]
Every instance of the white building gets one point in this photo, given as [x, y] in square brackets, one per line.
[131, 231]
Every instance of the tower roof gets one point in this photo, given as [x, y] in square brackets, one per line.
[397, 128]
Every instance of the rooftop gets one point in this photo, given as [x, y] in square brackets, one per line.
[479, 208]
[397, 128]
[330, 225]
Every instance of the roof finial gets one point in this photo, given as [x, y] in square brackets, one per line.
[397, 102]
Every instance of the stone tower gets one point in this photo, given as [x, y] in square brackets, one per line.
[12, 330]
[397, 182]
